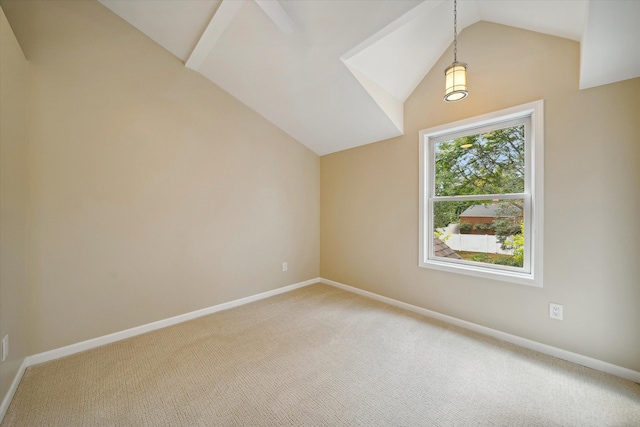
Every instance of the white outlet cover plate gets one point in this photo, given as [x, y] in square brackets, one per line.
[556, 311]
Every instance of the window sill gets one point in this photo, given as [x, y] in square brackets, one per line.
[485, 273]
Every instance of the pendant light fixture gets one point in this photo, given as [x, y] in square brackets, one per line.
[456, 73]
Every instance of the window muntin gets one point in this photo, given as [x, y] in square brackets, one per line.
[484, 165]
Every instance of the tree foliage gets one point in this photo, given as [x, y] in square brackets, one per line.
[518, 246]
[481, 164]
[515, 242]
[489, 163]
[507, 221]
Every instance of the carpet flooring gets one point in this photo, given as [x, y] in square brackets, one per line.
[318, 356]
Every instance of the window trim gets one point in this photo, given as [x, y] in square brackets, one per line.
[533, 194]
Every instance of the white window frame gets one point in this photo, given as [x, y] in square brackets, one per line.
[531, 273]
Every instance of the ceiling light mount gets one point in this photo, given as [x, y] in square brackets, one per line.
[456, 73]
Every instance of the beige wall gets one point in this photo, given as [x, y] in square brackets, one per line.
[152, 191]
[13, 201]
[369, 201]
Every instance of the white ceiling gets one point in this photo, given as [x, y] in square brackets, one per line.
[334, 74]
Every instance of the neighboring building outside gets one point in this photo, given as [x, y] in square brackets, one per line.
[441, 249]
[481, 217]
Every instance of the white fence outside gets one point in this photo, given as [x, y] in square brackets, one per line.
[475, 243]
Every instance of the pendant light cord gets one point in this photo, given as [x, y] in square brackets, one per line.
[455, 31]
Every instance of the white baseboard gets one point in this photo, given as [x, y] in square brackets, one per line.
[128, 333]
[12, 390]
[138, 330]
[523, 342]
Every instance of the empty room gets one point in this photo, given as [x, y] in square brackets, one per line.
[319, 212]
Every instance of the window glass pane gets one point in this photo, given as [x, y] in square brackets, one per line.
[480, 231]
[484, 163]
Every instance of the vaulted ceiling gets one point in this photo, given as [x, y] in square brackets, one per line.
[334, 74]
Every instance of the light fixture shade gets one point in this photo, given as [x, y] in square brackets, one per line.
[455, 82]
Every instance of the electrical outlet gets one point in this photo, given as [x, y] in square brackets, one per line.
[555, 311]
[285, 267]
[5, 347]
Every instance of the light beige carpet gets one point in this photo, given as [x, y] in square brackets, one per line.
[318, 356]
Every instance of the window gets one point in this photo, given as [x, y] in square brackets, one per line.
[481, 204]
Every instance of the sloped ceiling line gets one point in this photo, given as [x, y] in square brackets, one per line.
[335, 74]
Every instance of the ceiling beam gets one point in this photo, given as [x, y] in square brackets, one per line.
[219, 23]
[274, 10]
